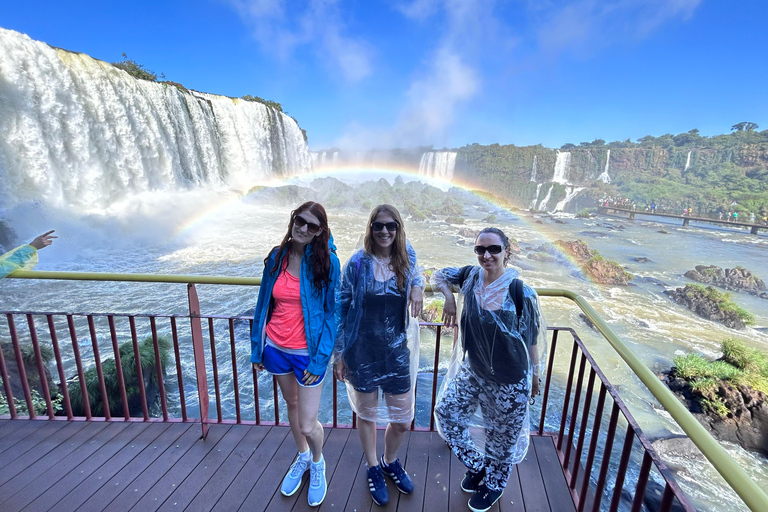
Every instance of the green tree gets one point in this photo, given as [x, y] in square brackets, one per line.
[135, 69]
[744, 127]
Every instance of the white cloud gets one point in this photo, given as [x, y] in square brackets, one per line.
[281, 29]
[584, 26]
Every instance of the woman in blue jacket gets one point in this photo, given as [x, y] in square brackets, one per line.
[293, 334]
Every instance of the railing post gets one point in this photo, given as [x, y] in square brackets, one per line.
[197, 346]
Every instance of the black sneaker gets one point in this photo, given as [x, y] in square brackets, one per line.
[398, 475]
[472, 480]
[483, 498]
[377, 485]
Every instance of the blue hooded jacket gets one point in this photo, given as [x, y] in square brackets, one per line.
[318, 308]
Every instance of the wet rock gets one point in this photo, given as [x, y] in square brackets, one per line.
[539, 222]
[577, 249]
[468, 233]
[734, 279]
[541, 256]
[663, 231]
[699, 302]
[747, 421]
[651, 280]
[558, 221]
[641, 259]
[587, 321]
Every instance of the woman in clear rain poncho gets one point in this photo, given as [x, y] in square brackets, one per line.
[482, 406]
[377, 345]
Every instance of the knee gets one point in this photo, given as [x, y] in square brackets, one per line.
[309, 428]
[399, 428]
[291, 402]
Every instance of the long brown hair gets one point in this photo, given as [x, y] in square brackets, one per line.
[399, 256]
[321, 254]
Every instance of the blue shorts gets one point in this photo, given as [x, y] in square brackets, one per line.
[277, 362]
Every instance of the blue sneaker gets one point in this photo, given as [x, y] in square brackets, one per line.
[398, 475]
[317, 483]
[292, 480]
[377, 485]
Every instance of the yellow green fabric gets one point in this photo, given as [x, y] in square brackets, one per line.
[24, 257]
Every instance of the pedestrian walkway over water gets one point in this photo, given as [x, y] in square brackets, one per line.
[754, 228]
[120, 466]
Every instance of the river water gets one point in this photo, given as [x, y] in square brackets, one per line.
[222, 233]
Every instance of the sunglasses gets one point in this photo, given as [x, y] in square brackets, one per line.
[378, 226]
[493, 249]
[311, 226]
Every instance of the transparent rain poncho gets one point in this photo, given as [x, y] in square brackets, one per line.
[23, 257]
[483, 402]
[377, 339]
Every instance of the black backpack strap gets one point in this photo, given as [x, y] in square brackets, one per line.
[518, 297]
[463, 274]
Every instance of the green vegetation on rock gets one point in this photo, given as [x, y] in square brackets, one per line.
[723, 300]
[740, 366]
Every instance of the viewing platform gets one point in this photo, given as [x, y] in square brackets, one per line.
[754, 228]
[182, 452]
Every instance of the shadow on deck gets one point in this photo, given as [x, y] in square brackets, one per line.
[117, 466]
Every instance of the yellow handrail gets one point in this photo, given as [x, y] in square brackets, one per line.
[752, 495]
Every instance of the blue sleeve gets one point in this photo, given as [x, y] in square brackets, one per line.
[261, 305]
[328, 335]
[344, 294]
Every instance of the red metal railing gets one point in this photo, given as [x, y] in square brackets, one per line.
[566, 411]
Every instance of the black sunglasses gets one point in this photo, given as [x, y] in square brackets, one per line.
[493, 249]
[378, 226]
[311, 226]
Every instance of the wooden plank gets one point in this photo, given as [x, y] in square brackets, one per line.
[554, 480]
[532, 484]
[335, 440]
[267, 488]
[512, 499]
[437, 484]
[415, 463]
[13, 432]
[225, 475]
[168, 446]
[28, 434]
[51, 498]
[32, 448]
[191, 484]
[344, 474]
[44, 473]
[457, 498]
[254, 468]
[151, 433]
[359, 496]
[164, 484]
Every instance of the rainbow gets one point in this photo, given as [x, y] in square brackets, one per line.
[361, 173]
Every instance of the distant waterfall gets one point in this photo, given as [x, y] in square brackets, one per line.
[562, 167]
[570, 193]
[688, 161]
[544, 201]
[320, 159]
[533, 169]
[79, 132]
[533, 203]
[604, 177]
[438, 164]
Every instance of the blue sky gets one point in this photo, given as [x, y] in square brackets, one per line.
[371, 73]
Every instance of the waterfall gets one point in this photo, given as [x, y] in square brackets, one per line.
[604, 177]
[438, 164]
[546, 199]
[570, 193]
[80, 132]
[533, 203]
[533, 169]
[688, 161]
[562, 166]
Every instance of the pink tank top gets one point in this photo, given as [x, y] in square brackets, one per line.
[286, 326]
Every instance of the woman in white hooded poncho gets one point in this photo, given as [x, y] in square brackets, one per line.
[482, 408]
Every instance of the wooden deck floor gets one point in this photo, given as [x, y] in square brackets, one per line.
[79, 466]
